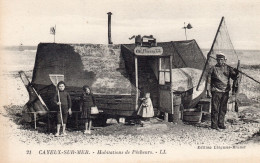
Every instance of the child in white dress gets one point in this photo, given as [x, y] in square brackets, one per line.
[146, 108]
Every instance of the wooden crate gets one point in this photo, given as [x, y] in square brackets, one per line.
[205, 105]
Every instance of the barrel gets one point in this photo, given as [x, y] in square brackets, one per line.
[175, 117]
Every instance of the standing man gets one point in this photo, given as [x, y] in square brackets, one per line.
[219, 87]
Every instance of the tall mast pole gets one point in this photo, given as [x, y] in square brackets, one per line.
[185, 31]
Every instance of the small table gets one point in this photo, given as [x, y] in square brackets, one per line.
[48, 117]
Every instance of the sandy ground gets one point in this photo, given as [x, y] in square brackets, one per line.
[242, 128]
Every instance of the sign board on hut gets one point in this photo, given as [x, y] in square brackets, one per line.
[148, 51]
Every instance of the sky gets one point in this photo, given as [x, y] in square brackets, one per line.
[85, 21]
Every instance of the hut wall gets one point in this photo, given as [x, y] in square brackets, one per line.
[102, 67]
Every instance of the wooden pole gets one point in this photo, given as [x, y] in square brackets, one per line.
[242, 73]
[237, 83]
[136, 83]
[59, 101]
[171, 84]
[185, 33]
[77, 120]
[54, 33]
[34, 115]
[159, 90]
[171, 92]
[166, 116]
[49, 123]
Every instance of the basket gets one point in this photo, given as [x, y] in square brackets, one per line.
[94, 110]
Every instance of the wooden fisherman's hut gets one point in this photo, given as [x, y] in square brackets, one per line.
[118, 77]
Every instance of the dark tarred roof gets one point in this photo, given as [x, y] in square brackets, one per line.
[185, 53]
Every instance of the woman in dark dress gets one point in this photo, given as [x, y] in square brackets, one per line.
[87, 101]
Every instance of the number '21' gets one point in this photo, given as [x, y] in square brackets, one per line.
[28, 152]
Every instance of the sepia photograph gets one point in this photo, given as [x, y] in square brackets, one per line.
[129, 81]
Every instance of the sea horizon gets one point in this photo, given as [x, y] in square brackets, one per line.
[34, 47]
[246, 56]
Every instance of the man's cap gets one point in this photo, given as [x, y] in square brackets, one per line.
[220, 55]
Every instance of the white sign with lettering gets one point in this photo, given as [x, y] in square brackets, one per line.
[148, 51]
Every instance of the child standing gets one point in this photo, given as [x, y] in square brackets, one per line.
[86, 102]
[146, 108]
[65, 103]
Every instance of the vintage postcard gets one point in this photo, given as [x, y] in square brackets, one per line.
[129, 81]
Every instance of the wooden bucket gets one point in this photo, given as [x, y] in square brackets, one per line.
[191, 115]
